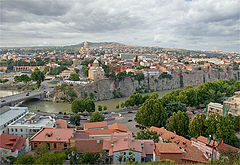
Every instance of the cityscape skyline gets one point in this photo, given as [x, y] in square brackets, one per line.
[205, 25]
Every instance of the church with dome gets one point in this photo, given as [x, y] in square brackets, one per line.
[95, 71]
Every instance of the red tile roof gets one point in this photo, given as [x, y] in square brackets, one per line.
[193, 154]
[95, 125]
[11, 142]
[89, 145]
[120, 142]
[61, 123]
[100, 131]
[119, 127]
[53, 135]
[205, 140]
[148, 147]
[170, 136]
[224, 146]
[167, 148]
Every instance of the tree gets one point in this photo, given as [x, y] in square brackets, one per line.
[89, 105]
[74, 77]
[197, 126]
[89, 158]
[75, 119]
[148, 135]
[151, 113]
[97, 117]
[179, 122]
[154, 95]
[25, 159]
[43, 148]
[175, 106]
[38, 76]
[121, 75]
[236, 123]
[100, 108]
[139, 76]
[104, 107]
[76, 70]
[78, 106]
[51, 158]
[85, 70]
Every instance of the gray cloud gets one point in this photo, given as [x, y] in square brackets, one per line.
[196, 24]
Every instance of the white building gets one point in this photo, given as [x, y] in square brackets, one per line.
[9, 115]
[30, 124]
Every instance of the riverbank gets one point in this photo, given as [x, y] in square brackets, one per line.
[51, 107]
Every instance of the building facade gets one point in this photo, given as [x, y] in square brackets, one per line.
[95, 71]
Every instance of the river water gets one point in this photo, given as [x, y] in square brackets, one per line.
[51, 107]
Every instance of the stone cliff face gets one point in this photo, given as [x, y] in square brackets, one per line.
[108, 89]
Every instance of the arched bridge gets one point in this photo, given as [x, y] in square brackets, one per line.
[12, 100]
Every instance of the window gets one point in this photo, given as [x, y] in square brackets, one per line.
[21, 130]
[55, 145]
[124, 153]
[12, 129]
[16, 130]
[35, 145]
[65, 145]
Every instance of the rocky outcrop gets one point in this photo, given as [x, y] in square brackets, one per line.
[108, 88]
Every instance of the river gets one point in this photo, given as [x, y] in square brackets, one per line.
[51, 107]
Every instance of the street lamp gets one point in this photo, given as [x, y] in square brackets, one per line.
[74, 157]
[214, 139]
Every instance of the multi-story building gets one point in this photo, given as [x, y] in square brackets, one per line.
[230, 106]
[95, 71]
[9, 115]
[29, 124]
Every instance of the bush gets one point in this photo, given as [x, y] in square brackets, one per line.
[100, 108]
[105, 108]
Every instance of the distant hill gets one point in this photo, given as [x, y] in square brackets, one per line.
[98, 44]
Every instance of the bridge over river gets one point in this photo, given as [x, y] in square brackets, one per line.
[12, 100]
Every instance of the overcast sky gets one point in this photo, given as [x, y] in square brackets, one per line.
[196, 24]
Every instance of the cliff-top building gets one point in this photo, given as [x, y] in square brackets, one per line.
[95, 71]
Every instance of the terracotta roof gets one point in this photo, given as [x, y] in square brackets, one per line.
[61, 123]
[170, 136]
[95, 125]
[80, 135]
[148, 147]
[53, 135]
[11, 142]
[224, 146]
[89, 145]
[193, 154]
[205, 140]
[167, 148]
[119, 127]
[120, 142]
[100, 131]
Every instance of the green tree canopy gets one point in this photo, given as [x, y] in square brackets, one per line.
[37, 75]
[151, 113]
[90, 105]
[75, 119]
[74, 77]
[197, 126]
[175, 106]
[148, 135]
[179, 122]
[78, 106]
[97, 117]
[25, 159]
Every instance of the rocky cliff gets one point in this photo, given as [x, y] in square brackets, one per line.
[108, 88]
